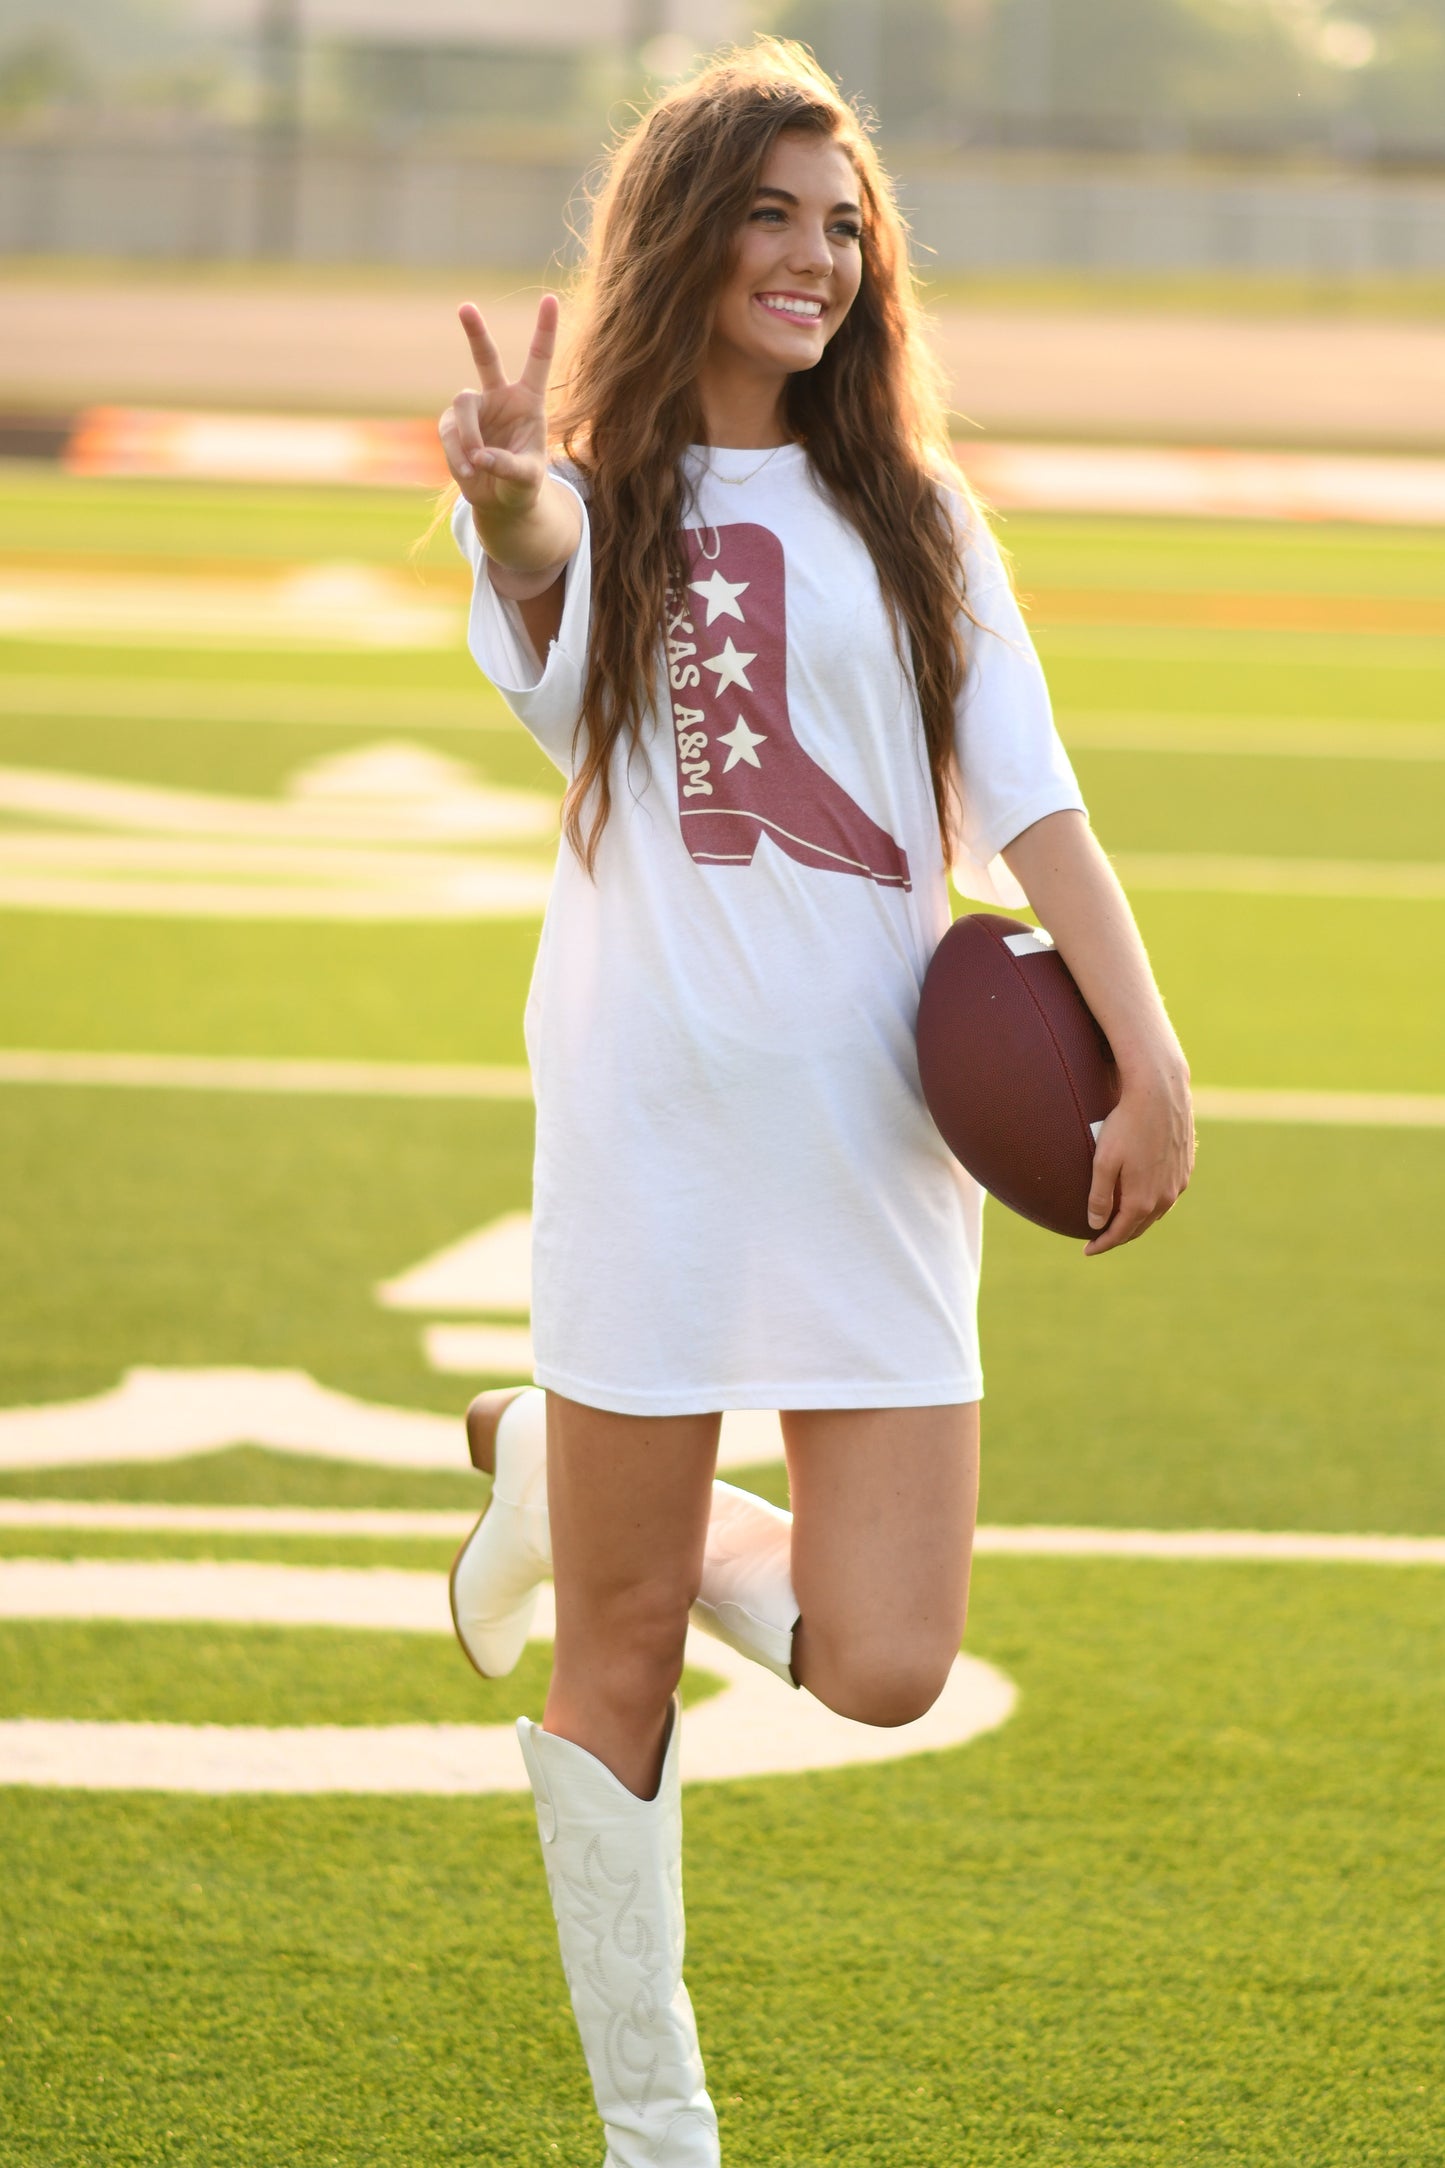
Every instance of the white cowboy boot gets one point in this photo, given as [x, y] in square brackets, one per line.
[745, 1598]
[614, 1870]
[498, 1570]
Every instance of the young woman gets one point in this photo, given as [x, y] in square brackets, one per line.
[740, 595]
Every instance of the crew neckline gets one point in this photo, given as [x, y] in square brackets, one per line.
[731, 463]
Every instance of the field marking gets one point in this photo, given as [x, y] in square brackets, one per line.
[489, 1270]
[755, 1727]
[300, 1075]
[177, 877]
[1263, 1546]
[326, 604]
[173, 1414]
[1341, 1110]
[372, 833]
[1407, 651]
[1189, 480]
[1207, 482]
[473, 1351]
[1184, 609]
[358, 1521]
[460, 1080]
[214, 700]
[1109, 731]
[1202, 873]
[383, 792]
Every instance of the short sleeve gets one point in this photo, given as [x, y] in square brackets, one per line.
[546, 700]
[1011, 761]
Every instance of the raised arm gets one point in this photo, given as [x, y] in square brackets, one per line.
[1146, 1147]
[495, 441]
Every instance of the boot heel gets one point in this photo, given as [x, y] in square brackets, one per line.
[482, 1437]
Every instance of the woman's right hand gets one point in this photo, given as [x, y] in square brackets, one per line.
[495, 439]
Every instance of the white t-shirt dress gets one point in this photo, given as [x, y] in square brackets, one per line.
[739, 1199]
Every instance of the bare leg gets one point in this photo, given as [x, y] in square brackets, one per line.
[628, 1498]
[884, 1505]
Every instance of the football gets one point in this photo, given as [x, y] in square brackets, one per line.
[1015, 1071]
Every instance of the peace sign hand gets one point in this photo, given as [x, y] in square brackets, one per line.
[495, 439]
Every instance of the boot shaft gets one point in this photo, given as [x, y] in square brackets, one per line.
[614, 1873]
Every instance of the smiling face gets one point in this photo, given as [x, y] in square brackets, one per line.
[798, 264]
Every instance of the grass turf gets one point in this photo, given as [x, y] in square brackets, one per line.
[1228, 1371]
[1179, 1909]
[251, 1475]
[254, 1475]
[1280, 990]
[252, 758]
[415, 1554]
[122, 1671]
[1139, 801]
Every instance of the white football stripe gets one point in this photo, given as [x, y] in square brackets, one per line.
[459, 1080]
[755, 1727]
[1267, 1546]
[156, 1414]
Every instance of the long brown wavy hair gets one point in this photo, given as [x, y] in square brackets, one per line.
[674, 196]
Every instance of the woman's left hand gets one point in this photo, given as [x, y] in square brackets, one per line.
[1144, 1156]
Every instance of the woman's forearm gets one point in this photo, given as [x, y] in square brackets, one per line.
[526, 551]
[1145, 1148]
[1075, 893]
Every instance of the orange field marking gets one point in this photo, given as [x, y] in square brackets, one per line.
[1228, 612]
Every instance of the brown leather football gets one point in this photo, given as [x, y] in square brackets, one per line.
[1015, 1071]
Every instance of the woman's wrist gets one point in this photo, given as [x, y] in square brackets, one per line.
[527, 551]
[1145, 1064]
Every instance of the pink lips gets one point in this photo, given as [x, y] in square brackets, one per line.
[764, 301]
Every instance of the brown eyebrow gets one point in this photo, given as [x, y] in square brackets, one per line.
[785, 195]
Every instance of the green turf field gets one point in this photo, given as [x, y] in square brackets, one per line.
[1183, 1906]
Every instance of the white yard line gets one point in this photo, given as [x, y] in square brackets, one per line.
[361, 1521]
[1110, 731]
[1263, 1546]
[177, 877]
[85, 697]
[159, 1415]
[181, 877]
[1343, 1110]
[1201, 873]
[1267, 1546]
[461, 1080]
[435, 803]
[755, 1727]
[91, 697]
[266, 1073]
[328, 605]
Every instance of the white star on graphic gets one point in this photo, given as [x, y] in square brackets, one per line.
[720, 595]
[743, 741]
[731, 668]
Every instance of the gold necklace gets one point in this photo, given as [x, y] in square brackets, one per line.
[734, 481]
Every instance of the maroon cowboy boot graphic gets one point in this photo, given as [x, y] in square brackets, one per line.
[741, 773]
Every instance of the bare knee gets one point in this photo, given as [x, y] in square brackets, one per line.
[623, 1649]
[875, 1682]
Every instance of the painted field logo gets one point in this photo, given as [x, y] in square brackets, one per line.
[741, 772]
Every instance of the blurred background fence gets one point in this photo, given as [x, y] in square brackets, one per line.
[226, 198]
[1290, 136]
